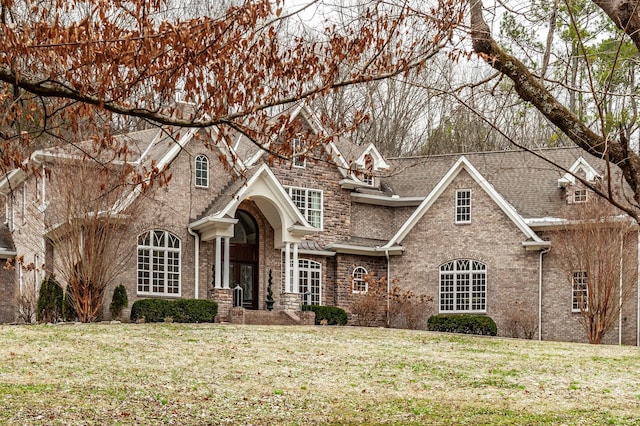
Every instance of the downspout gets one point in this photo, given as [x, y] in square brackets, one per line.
[620, 295]
[196, 273]
[542, 253]
[386, 253]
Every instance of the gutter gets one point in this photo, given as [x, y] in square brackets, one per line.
[382, 200]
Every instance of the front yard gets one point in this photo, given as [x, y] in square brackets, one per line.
[227, 374]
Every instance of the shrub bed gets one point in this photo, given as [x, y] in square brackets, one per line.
[180, 310]
[333, 314]
[463, 323]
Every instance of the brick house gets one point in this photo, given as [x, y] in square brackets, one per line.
[473, 231]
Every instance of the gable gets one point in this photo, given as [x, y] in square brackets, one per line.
[463, 164]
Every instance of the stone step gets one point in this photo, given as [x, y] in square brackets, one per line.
[247, 316]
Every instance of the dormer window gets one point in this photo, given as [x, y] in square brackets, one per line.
[580, 196]
[368, 178]
[298, 160]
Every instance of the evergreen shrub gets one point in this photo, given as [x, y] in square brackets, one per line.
[119, 301]
[333, 314]
[463, 323]
[180, 310]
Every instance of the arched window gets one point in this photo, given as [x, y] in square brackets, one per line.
[158, 263]
[202, 171]
[359, 283]
[463, 286]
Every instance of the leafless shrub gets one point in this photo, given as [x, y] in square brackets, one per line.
[408, 309]
[521, 322]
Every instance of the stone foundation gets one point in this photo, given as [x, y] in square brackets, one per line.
[224, 298]
[291, 301]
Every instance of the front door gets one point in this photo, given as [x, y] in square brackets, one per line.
[245, 275]
[243, 261]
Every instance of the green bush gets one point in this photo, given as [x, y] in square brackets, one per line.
[463, 323]
[52, 303]
[333, 314]
[180, 310]
[118, 302]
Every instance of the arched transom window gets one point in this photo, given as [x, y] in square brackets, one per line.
[463, 286]
[158, 263]
[202, 171]
[359, 283]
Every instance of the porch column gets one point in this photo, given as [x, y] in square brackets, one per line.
[226, 262]
[287, 267]
[296, 275]
[217, 280]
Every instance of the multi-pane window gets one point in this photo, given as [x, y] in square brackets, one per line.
[463, 206]
[202, 171]
[310, 281]
[158, 263]
[359, 281]
[309, 202]
[580, 196]
[463, 286]
[298, 160]
[580, 293]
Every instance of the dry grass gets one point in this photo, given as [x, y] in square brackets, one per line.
[223, 374]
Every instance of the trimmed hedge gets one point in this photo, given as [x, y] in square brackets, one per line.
[463, 323]
[52, 304]
[180, 310]
[333, 314]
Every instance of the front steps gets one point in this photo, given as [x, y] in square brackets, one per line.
[247, 316]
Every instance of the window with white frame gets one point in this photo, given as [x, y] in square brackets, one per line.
[202, 171]
[298, 160]
[580, 196]
[580, 292]
[158, 263]
[310, 281]
[309, 202]
[463, 286]
[359, 282]
[463, 206]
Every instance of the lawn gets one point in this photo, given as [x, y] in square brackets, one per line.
[259, 375]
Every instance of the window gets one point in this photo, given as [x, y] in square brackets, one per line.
[463, 286]
[368, 178]
[202, 171]
[463, 206]
[580, 292]
[310, 279]
[158, 263]
[580, 196]
[298, 160]
[309, 202]
[359, 283]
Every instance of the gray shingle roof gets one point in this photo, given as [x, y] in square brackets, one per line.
[527, 182]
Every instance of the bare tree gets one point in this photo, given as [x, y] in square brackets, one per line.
[88, 233]
[593, 249]
[608, 135]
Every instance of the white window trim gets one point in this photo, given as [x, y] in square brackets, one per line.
[583, 198]
[206, 178]
[302, 268]
[305, 211]
[296, 145]
[584, 277]
[462, 222]
[165, 250]
[455, 292]
[359, 279]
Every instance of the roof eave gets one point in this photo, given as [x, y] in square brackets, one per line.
[381, 200]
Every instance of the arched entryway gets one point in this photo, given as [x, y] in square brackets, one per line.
[243, 258]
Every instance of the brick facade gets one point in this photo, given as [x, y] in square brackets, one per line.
[394, 238]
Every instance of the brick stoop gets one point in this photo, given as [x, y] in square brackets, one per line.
[277, 318]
